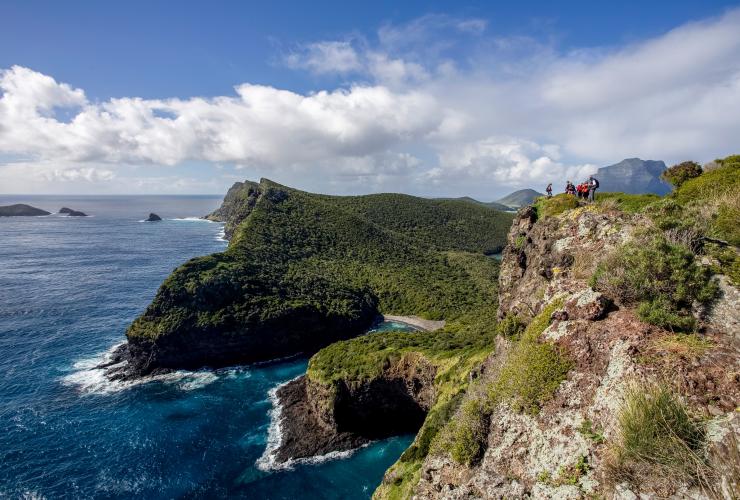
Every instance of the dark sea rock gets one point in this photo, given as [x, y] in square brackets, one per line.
[318, 418]
[21, 210]
[153, 218]
[72, 213]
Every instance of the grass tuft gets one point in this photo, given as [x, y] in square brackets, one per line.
[659, 440]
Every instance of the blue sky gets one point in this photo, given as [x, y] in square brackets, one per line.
[433, 98]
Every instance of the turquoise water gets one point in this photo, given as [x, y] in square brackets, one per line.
[68, 289]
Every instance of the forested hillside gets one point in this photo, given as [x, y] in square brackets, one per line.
[303, 270]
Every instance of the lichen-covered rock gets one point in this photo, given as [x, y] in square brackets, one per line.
[557, 255]
[563, 451]
[725, 312]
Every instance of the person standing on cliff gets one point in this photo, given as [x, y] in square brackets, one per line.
[548, 190]
[593, 185]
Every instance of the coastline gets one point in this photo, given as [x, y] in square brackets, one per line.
[427, 325]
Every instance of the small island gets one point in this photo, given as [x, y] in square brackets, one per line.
[153, 218]
[72, 213]
[21, 210]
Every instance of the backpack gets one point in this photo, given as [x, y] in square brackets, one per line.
[594, 183]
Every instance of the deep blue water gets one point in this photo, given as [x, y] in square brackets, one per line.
[68, 289]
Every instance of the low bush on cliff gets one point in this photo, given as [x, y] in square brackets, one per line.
[468, 432]
[630, 203]
[661, 279]
[659, 440]
[533, 370]
[511, 327]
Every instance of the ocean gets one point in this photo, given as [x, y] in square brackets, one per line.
[69, 287]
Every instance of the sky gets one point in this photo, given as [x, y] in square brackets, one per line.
[427, 98]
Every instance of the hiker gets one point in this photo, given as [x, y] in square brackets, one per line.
[570, 188]
[593, 185]
[548, 190]
[582, 190]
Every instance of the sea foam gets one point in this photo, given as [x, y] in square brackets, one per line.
[89, 379]
[268, 461]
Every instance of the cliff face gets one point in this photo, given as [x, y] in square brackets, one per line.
[238, 203]
[566, 444]
[320, 417]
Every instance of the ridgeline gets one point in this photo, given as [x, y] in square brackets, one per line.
[304, 270]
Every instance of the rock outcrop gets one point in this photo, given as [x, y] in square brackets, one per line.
[565, 449]
[153, 218]
[21, 210]
[71, 213]
[319, 417]
[237, 205]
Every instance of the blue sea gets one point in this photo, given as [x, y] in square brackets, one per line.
[68, 289]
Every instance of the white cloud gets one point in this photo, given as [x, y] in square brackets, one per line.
[261, 125]
[443, 108]
[325, 57]
[505, 161]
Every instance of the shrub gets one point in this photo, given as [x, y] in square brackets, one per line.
[510, 327]
[469, 433]
[530, 376]
[631, 203]
[658, 439]
[678, 174]
[660, 278]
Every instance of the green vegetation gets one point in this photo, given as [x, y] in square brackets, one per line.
[658, 438]
[511, 327]
[630, 203]
[469, 431]
[549, 207]
[299, 255]
[531, 373]
[678, 174]
[661, 279]
[588, 431]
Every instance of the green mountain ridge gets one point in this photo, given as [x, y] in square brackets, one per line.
[303, 270]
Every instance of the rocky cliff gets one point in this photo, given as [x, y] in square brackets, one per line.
[571, 437]
[239, 201]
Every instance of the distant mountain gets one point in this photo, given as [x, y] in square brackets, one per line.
[634, 176]
[490, 204]
[519, 198]
[20, 210]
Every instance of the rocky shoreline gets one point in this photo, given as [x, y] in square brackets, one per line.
[317, 418]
